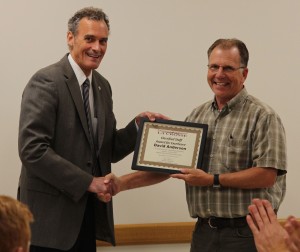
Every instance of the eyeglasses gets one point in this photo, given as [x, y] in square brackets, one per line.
[226, 69]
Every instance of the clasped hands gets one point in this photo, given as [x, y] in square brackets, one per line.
[105, 187]
[110, 185]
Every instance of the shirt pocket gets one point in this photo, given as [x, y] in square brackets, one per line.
[237, 154]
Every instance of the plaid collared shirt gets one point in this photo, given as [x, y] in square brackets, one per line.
[246, 133]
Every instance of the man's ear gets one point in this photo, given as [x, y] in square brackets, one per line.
[70, 39]
[245, 72]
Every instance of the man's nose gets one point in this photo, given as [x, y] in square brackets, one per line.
[96, 46]
[220, 71]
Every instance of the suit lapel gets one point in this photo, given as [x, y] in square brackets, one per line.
[75, 92]
[76, 96]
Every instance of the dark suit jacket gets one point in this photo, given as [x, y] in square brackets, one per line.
[57, 158]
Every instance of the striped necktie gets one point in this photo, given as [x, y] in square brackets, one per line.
[86, 104]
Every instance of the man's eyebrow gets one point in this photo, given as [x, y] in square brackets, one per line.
[89, 36]
[94, 37]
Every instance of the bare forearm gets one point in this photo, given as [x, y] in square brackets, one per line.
[255, 177]
[140, 179]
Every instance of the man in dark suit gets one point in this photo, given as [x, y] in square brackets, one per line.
[68, 140]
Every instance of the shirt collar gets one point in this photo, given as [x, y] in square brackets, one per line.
[239, 98]
[78, 71]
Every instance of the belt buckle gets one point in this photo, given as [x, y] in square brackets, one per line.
[209, 223]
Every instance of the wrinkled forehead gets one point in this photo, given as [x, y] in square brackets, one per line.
[224, 56]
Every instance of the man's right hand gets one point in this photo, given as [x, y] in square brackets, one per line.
[114, 182]
[102, 189]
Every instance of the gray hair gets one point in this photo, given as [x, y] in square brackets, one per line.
[90, 13]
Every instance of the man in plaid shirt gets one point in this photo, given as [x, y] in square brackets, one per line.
[244, 157]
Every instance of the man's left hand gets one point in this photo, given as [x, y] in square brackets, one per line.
[194, 177]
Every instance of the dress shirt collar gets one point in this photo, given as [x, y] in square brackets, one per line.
[78, 71]
[239, 98]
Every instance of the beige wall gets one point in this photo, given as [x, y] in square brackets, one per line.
[148, 248]
[156, 61]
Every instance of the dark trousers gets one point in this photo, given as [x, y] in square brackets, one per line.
[227, 239]
[86, 241]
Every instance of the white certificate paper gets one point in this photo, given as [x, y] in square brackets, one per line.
[169, 145]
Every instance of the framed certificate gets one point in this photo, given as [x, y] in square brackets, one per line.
[167, 146]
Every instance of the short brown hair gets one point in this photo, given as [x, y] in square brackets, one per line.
[15, 218]
[229, 43]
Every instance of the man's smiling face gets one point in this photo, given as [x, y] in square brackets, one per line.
[226, 84]
[88, 45]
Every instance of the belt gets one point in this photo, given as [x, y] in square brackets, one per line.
[217, 222]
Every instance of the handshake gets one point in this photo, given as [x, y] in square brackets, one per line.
[105, 187]
[110, 185]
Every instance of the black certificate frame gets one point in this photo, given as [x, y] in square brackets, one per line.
[168, 145]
